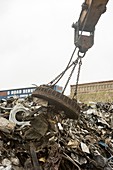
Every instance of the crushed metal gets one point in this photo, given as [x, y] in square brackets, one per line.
[36, 136]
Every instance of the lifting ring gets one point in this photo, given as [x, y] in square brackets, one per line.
[81, 56]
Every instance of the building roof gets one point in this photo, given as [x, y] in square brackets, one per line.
[99, 82]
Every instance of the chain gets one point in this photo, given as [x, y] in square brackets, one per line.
[57, 79]
[75, 63]
[78, 75]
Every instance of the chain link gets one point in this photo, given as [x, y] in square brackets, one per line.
[57, 79]
[78, 75]
[75, 63]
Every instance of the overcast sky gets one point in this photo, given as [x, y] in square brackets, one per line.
[37, 40]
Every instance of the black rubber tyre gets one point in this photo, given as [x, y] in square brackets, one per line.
[69, 106]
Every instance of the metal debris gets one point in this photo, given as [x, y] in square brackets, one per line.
[50, 141]
[19, 108]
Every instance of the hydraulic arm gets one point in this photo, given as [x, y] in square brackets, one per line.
[85, 26]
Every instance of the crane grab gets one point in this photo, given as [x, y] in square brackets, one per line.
[84, 30]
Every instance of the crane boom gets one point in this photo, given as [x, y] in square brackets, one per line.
[89, 16]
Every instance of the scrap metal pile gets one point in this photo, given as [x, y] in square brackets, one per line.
[36, 136]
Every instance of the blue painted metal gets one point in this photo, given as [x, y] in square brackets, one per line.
[22, 92]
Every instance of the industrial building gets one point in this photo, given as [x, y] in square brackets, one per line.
[22, 92]
[101, 91]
